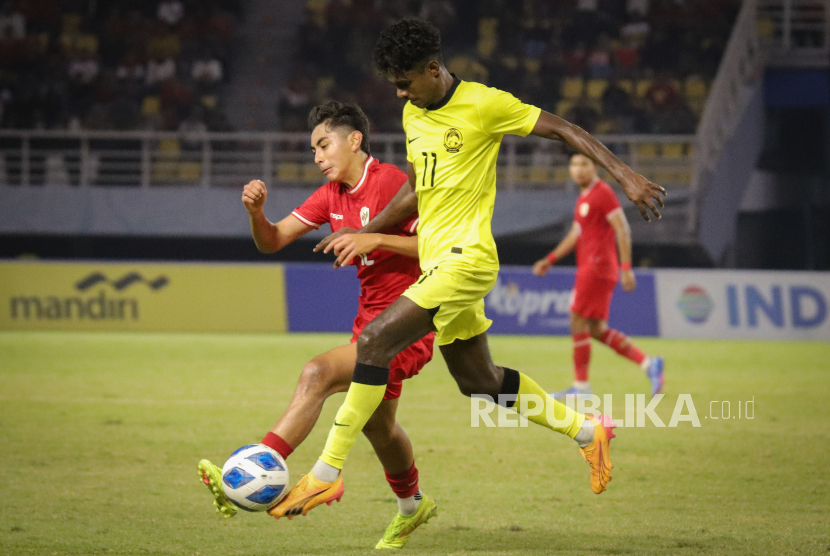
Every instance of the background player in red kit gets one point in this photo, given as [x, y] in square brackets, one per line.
[598, 222]
[359, 187]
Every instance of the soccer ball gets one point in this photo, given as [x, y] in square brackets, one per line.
[254, 477]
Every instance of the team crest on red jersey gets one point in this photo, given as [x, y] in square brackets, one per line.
[583, 209]
[453, 140]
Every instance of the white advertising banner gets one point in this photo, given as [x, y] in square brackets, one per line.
[743, 304]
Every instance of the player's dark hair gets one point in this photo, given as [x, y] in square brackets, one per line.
[407, 45]
[341, 114]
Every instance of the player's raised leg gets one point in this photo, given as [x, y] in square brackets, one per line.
[326, 374]
[472, 367]
[397, 327]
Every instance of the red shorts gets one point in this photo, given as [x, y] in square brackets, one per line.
[591, 297]
[406, 364]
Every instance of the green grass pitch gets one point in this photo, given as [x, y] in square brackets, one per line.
[100, 435]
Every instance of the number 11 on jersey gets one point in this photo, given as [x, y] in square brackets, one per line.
[427, 157]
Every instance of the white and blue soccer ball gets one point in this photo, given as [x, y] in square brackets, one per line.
[255, 477]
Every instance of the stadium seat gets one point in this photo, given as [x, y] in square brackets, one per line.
[561, 176]
[311, 172]
[532, 65]
[572, 88]
[288, 171]
[766, 28]
[643, 86]
[673, 150]
[596, 87]
[626, 85]
[646, 150]
[603, 127]
[150, 106]
[169, 148]
[190, 171]
[696, 88]
[538, 174]
[563, 106]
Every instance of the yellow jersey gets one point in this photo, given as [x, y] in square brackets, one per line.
[453, 147]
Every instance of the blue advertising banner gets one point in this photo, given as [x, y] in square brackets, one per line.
[521, 303]
[320, 298]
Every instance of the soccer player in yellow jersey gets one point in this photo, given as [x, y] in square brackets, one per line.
[453, 131]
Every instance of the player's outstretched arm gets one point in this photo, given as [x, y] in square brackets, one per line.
[269, 237]
[399, 208]
[565, 246]
[642, 192]
[349, 246]
[623, 235]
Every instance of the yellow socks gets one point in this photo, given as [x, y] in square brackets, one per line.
[554, 415]
[364, 396]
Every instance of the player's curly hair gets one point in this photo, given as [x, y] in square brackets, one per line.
[341, 114]
[408, 44]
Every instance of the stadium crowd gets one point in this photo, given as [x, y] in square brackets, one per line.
[611, 66]
[119, 64]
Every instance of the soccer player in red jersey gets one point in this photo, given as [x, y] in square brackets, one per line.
[359, 187]
[598, 222]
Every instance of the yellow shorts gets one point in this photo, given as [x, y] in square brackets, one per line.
[457, 288]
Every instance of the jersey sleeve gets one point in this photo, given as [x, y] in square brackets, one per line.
[501, 113]
[315, 210]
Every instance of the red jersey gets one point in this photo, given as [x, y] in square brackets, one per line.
[383, 275]
[596, 249]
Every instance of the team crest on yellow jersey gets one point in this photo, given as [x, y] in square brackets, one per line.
[453, 140]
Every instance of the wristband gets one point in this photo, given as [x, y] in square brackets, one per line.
[551, 258]
[625, 266]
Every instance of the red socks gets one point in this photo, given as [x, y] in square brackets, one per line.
[404, 484]
[582, 355]
[620, 343]
[276, 443]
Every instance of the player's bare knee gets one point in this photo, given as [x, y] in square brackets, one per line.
[316, 376]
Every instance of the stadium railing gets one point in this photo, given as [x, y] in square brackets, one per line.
[795, 32]
[228, 159]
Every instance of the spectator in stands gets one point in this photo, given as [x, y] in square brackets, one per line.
[84, 69]
[584, 115]
[615, 101]
[295, 102]
[637, 30]
[575, 59]
[159, 70]
[598, 62]
[662, 94]
[131, 68]
[207, 71]
[170, 12]
[676, 119]
[193, 129]
[13, 21]
[626, 58]
[177, 96]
